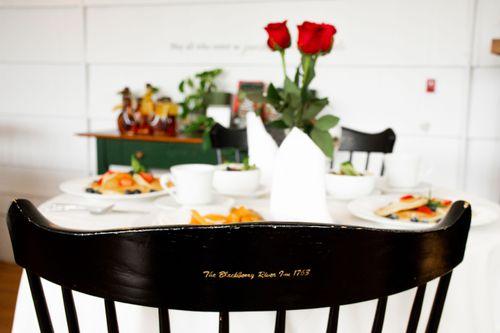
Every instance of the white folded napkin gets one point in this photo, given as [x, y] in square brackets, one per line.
[262, 148]
[298, 188]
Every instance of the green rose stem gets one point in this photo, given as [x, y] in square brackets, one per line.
[283, 63]
[306, 65]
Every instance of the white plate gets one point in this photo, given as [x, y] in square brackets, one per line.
[219, 202]
[77, 187]
[261, 191]
[483, 211]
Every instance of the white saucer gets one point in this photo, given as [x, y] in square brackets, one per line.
[259, 192]
[219, 201]
[421, 188]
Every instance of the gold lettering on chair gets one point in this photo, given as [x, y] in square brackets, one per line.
[257, 275]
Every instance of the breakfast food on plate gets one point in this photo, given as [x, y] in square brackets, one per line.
[406, 202]
[416, 208]
[113, 182]
[136, 181]
[236, 215]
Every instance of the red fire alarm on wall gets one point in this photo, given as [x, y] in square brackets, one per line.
[431, 85]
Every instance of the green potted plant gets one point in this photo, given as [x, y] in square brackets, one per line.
[198, 92]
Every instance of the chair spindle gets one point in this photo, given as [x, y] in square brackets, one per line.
[367, 161]
[42, 311]
[111, 319]
[223, 322]
[164, 320]
[70, 310]
[416, 309]
[279, 327]
[333, 319]
[438, 304]
[378, 321]
[218, 152]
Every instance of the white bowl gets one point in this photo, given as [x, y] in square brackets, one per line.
[236, 182]
[349, 187]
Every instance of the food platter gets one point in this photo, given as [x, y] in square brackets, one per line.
[78, 187]
[483, 211]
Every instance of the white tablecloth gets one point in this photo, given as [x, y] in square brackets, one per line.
[471, 305]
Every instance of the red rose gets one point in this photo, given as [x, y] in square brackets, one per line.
[309, 41]
[315, 38]
[279, 36]
[327, 32]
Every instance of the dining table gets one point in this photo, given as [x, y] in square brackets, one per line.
[472, 304]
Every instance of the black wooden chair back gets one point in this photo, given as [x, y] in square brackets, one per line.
[236, 139]
[355, 141]
[223, 138]
[216, 268]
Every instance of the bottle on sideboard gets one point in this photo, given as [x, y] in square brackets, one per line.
[126, 121]
[164, 121]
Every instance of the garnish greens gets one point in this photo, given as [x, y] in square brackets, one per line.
[247, 166]
[137, 167]
[348, 169]
[435, 204]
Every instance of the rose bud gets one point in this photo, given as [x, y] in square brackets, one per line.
[279, 36]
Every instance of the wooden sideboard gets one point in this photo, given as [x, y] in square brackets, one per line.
[154, 151]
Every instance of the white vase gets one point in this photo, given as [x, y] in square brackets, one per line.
[298, 188]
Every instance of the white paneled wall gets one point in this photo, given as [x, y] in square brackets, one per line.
[62, 63]
[41, 35]
[384, 32]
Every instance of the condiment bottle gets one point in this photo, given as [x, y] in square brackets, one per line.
[173, 111]
[126, 121]
[160, 119]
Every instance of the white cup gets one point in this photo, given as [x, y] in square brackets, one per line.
[192, 183]
[403, 170]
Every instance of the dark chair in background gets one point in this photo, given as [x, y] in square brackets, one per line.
[223, 138]
[355, 141]
[325, 266]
